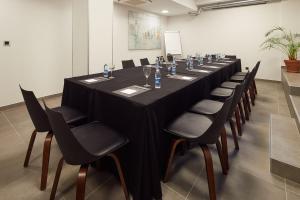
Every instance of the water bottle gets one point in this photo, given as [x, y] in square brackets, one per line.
[105, 71]
[173, 68]
[157, 78]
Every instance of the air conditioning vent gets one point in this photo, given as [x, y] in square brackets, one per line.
[234, 3]
[134, 2]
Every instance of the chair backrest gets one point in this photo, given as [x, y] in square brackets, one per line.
[72, 150]
[256, 68]
[144, 61]
[251, 76]
[162, 58]
[238, 92]
[36, 112]
[230, 56]
[213, 132]
[170, 57]
[128, 64]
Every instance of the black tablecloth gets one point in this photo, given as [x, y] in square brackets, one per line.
[141, 118]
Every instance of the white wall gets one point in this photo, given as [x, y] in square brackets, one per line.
[120, 39]
[237, 31]
[40, 56]
[100, 34]
[80, 37]
[291, 15]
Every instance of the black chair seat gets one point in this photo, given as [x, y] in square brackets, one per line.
[98, 139]
[221, 92]
[240, 74]
[70, 115]
[190, 125]
[229, 84]
[207, 107]
[237, 78]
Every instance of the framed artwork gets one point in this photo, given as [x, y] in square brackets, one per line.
[144, 31]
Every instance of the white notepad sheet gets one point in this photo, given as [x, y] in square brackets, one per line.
[128, 91]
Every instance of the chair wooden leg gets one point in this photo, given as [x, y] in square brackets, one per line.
[219, 148]
[209, 173]
[30, 146]
[175, 143]
[234, 135]
[46, 156]
[238, 121]
[56, 179]
[81, 181]
[248, 101]
[245, 108]
[121, 175]
[254, 84]
[252, 96]
[242, 112]
[224, 146]
[253, 90]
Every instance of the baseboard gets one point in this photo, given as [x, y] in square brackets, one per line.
[3, 108]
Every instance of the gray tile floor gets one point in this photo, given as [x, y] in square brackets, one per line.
[248, 178]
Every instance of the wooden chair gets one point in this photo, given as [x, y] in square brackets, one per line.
[128, 64]
[82, 146]
[200, 129]
[41, 124]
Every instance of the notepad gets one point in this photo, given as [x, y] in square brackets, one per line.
[204, 71]
[221, 63]
[95, 80]
[187, 78]
[131, 91]
[128, 91]
[200, 70]
[211, 66]
[91, 80]
[181, 77]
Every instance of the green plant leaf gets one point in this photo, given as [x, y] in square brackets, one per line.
[286, 42]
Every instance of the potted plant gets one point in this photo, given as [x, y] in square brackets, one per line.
[286, 42]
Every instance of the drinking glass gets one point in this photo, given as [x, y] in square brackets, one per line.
[209, 58]
[161, 60]
[147, 72]
[111, 68]
[188, 62]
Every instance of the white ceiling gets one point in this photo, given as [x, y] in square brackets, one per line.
[201, 2]
[158, 5]
[175, 7]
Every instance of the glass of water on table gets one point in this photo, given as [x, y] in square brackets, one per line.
[147, 71]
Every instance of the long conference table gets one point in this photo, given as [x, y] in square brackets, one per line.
[142, 117]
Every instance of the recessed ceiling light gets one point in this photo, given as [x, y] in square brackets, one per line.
[164, 11]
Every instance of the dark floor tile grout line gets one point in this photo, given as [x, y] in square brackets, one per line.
[98, 187]
[15, 130]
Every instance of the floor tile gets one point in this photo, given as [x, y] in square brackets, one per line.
[238, 185]
[292, 196]
[293, 187]
[249, 176]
